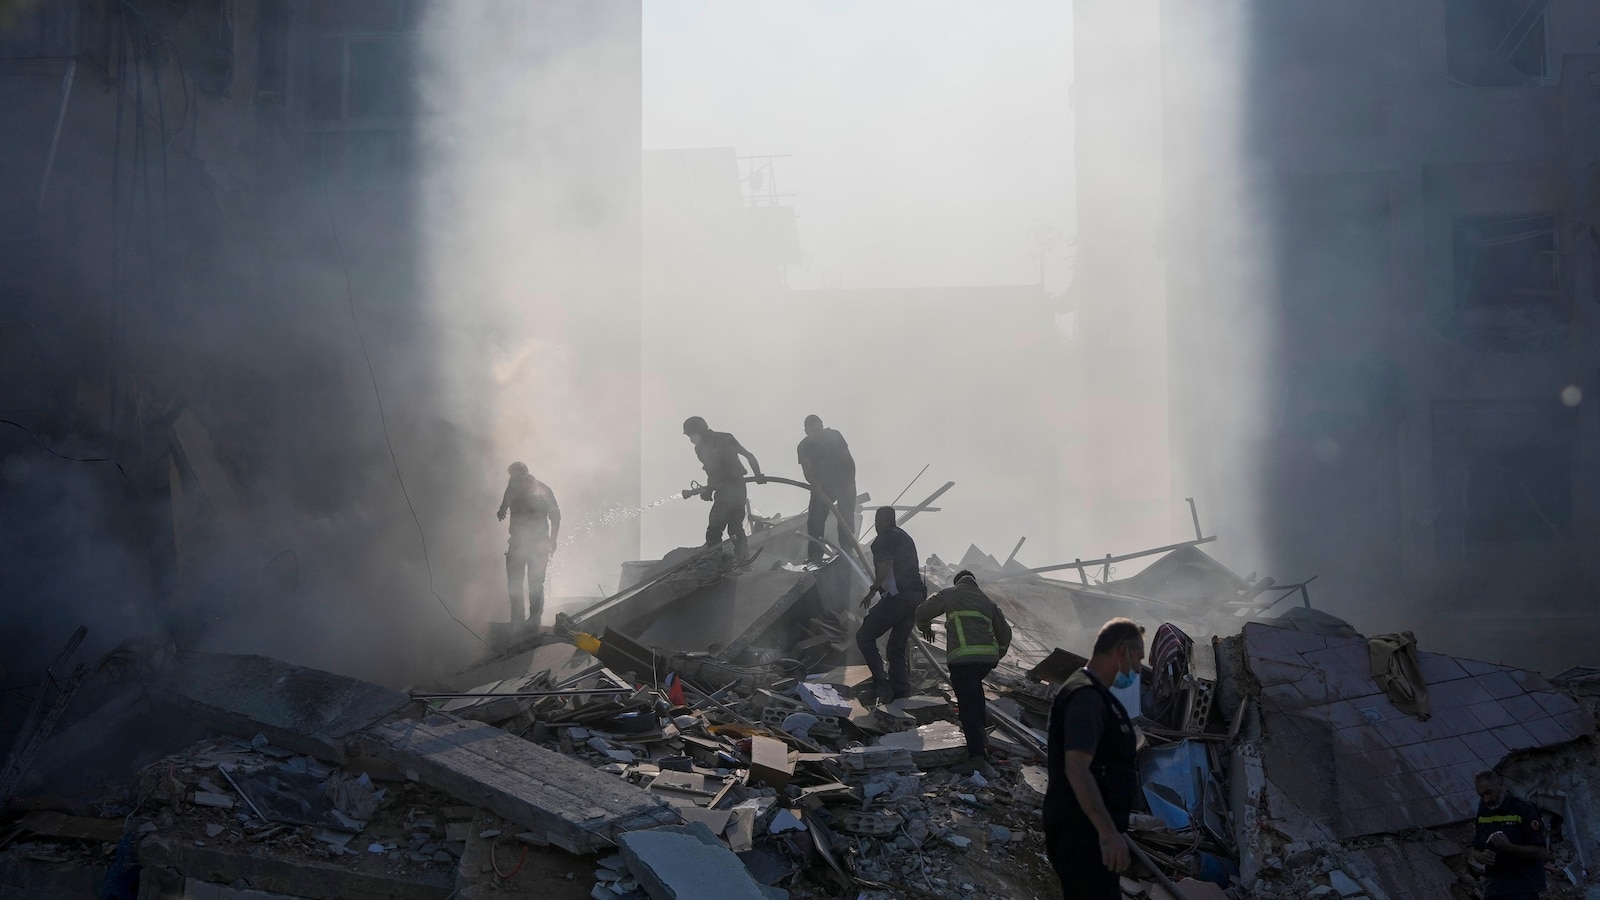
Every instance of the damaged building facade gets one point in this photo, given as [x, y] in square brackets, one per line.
[705, 729]
[221, 282]
[1396, 236]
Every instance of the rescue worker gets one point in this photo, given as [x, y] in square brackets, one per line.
[1093, 768]
[535, 526]
[719, 454]
[1512, 830]
[976, 637]
[898, 577]
[831, 471]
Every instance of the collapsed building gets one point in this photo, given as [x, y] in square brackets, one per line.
[701, 727]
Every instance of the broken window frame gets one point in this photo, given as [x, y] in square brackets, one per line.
[307, 38]
[1521, 311]
[1468, 437]
[1495, 67]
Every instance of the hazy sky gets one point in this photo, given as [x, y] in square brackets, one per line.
[930, 139]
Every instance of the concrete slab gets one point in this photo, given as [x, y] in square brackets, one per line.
[305, 710]
[729, 614]
[683, 862]
[1345, 754]
[575, 807]
[560, 659]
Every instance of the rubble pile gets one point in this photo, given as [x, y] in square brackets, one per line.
[707, 726]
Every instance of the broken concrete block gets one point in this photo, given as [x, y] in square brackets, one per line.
[769, 762]
[1030, 786]
[1344, 884]
[784, 820]
[1300, 853]
[304, 710]
[823, 699]
[576, 807]
[714, 819]
[920, 710]
[206, 798]
[682, 861]
[935, 744]
[864, 759]
[741, 829]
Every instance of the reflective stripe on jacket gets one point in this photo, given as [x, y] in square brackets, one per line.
[976, 630]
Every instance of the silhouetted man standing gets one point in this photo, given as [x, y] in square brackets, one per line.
[719, 454]
[535, 524]
[898, 578]
[831, 471]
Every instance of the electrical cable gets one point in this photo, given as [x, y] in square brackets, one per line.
[46, 447]
[350, 296]
[506, 876]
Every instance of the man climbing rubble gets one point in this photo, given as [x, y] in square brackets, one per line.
[898, 577]
[535, 525]
[1511, 831]
[1093, 768]
[977, 636]
[831, 471]
[719, 454]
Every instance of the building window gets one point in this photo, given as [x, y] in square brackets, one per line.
[1502, 476]
[356, 65]
[1508, 287]
[1497, 43]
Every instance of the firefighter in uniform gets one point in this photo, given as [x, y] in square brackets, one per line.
[1512, 830]
[977, 636]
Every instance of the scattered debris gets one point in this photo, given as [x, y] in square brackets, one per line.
[1292, 758]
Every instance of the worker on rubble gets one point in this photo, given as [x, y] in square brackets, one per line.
[831, 471]
[898, 577]
[535, 525]
[976, 637]
[719, 454]
[1512, 831]
[1093, 768]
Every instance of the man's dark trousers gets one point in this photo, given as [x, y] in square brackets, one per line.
[967, 681]
[1074, 852]
[817, 516]
[897, 615]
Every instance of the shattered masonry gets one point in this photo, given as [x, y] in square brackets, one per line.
[711, 734]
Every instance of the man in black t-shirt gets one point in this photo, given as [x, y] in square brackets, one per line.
[829, 468]
[898, 577]
[719, 452]
[1093, 768]
[1512, 830]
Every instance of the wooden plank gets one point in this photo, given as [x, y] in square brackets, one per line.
[579, 809]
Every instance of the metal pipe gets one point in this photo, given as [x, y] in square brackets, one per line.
[1078, 564]
[924, 505]
[471, 695]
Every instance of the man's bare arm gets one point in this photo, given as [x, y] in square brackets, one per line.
[1087, 791]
